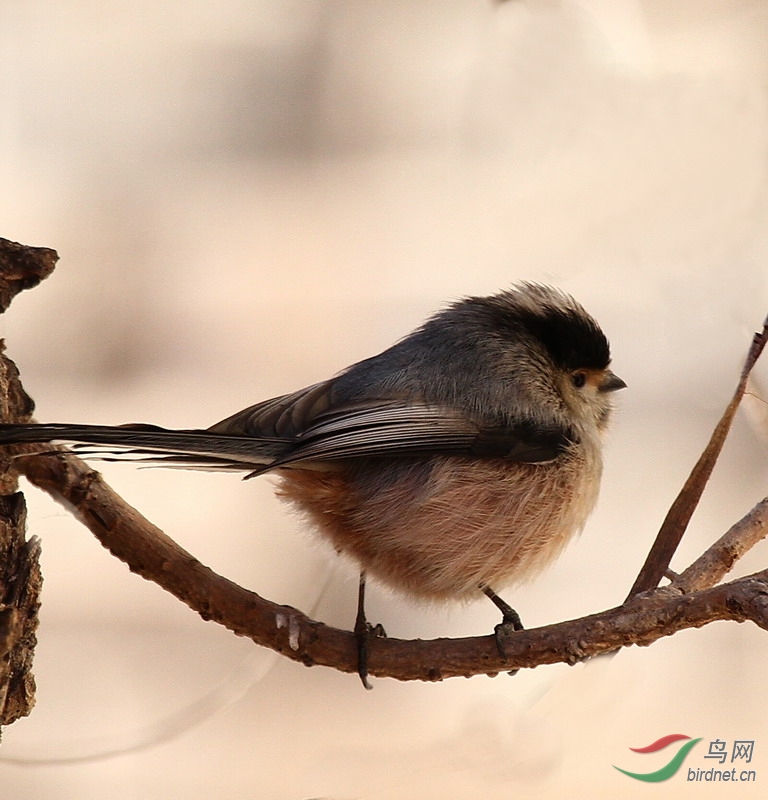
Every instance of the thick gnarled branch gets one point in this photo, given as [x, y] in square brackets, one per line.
[21, 267]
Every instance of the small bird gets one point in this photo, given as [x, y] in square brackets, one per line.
[461, 459]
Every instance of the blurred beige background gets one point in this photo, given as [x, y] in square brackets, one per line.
[247, 197]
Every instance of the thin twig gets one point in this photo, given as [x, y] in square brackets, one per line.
[718, 560]
[681, 511]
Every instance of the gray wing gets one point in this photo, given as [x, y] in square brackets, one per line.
[322, 427]
[311, 425]
[283, 417]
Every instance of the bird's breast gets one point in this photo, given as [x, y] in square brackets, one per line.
[439, 527]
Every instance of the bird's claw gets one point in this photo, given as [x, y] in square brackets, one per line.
[364, 632]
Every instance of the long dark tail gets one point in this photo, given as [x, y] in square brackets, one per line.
[149, 443]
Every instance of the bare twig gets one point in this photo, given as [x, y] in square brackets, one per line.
[716, 562]
[681, 511]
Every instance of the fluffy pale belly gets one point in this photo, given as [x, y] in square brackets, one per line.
[440, 528]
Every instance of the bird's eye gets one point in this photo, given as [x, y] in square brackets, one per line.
[579, 379]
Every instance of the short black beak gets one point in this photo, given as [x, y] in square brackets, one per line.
[611, 383]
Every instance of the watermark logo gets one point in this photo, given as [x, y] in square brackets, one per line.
[740, 750]
[667, 771]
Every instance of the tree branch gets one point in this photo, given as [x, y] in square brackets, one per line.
[691, 600]
[716, 562]
[679, 515]
[152, 554]
[21, 268]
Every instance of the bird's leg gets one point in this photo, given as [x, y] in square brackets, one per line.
[510, 617]
[363, 633]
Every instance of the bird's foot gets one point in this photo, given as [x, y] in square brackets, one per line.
[364, 633]
[510, 621]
